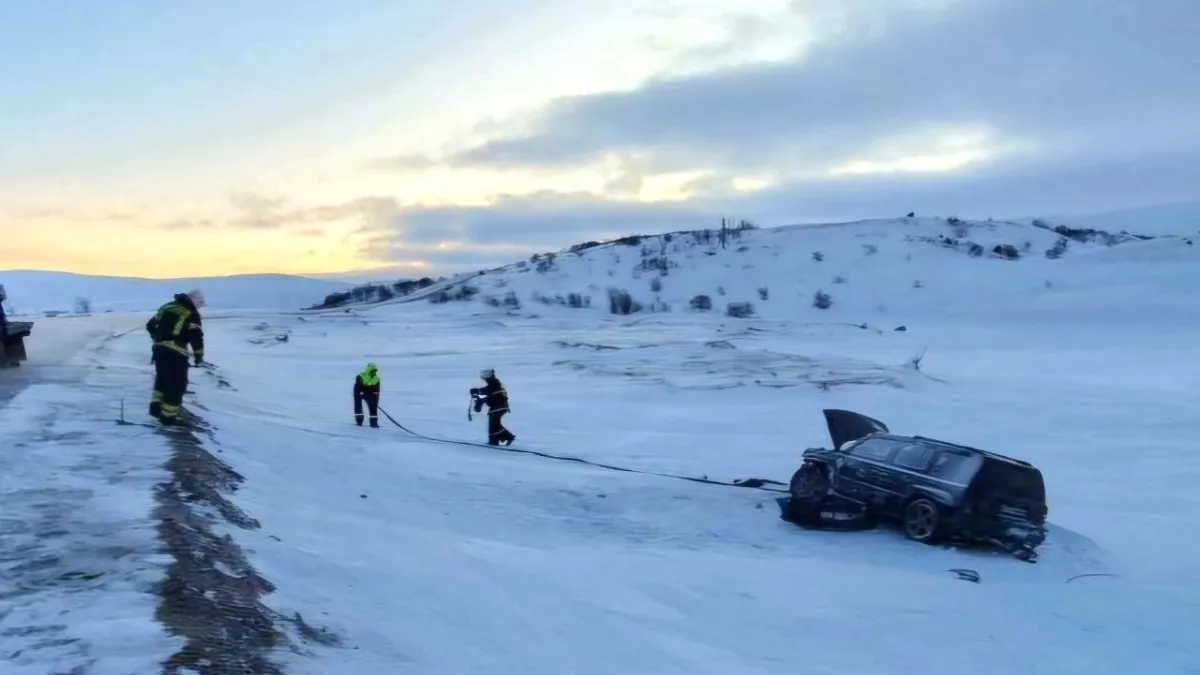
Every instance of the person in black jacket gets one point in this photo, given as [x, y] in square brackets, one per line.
[174, 327]
[3, 321]
[366, 387]
[493, 395]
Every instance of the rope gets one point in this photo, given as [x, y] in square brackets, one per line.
[756, 483]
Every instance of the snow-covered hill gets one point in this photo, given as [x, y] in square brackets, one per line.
[868, 271]
[35, 291]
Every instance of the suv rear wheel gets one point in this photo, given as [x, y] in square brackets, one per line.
[922, 520]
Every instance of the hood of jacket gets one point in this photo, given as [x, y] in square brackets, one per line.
[183, 299]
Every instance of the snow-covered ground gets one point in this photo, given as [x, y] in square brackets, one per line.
[404, 555]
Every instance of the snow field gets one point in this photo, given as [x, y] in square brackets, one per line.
[456, 559]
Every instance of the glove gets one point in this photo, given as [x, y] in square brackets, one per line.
[199, 361]
[478, 404]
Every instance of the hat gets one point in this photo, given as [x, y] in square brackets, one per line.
[487, 373]
[371, 367]
[197, 297]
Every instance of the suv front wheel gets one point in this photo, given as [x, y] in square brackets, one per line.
[810, 483]
[922, 520]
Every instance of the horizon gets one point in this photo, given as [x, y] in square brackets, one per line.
[421, 139]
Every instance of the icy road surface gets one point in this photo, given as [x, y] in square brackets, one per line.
[79, 555]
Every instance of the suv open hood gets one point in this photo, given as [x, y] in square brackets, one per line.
[845, 426]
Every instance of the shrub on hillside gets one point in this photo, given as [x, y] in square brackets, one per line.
[544, 263]
[822, 300]
[578, 249]
[739, 310]
[870, 249]
[508, 300]
[1006, 251]
[463, 293]
[960, 228]
[572, 300]
[818, 256]
[411, 285]
[620, 302]
[763, 293]
[655, 263]
[839, 279]
[374, 292]
[974, 250]
[701, 303]
[656, 285]
[1058, 249]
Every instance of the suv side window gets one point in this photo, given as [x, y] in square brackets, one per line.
[914, 457]
[876, 449]
[955, 466]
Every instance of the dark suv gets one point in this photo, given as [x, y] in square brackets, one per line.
[935, 490]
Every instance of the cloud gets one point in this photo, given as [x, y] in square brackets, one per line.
[955, 107]
[457, 238]
[402, 163]
[258, 212]
[1028, 187]
[60, 215]
[543, 218]
[1026, 75]
[461, 238]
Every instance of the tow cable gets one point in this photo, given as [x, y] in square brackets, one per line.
[756, 483]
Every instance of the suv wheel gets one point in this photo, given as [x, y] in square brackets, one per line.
[809, 483]
[922, 519]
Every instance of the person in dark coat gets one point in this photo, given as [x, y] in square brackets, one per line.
[3, 321]
[493, 395]
[174, 327]
[366, 388]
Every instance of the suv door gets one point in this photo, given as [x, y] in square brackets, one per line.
[864, 474]
[912, 462]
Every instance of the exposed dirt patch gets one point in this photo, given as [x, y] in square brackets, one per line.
[212, 596]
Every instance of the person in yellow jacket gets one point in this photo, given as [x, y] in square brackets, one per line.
[174, 327]
[366, 388]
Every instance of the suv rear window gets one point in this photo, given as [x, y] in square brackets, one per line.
[1005, 479]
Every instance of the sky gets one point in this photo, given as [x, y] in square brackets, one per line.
[213, 137]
